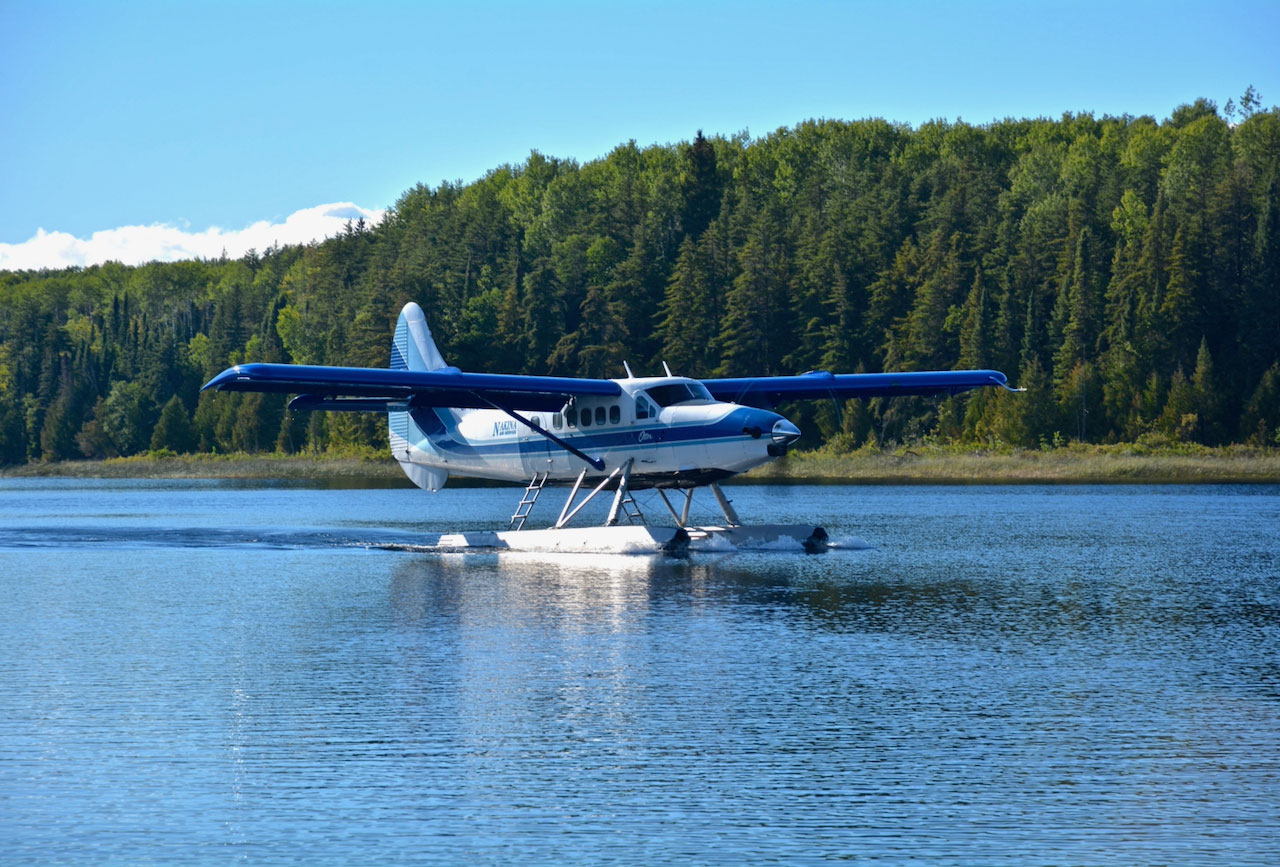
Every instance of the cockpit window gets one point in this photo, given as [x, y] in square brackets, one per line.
[679, 392]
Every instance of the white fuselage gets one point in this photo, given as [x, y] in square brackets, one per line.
[673, 431]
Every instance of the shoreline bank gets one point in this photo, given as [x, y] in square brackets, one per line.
[911, 465]
[1068, 465]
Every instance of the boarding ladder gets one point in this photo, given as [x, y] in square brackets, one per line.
[530, 497]
[624, 505]
[628, 509]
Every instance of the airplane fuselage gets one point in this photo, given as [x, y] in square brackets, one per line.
[671, 428]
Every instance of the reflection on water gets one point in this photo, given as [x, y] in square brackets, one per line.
[1025, 674]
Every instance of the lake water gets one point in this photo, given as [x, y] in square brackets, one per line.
[212, 672]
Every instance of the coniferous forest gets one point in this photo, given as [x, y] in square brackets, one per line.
[1124, 270]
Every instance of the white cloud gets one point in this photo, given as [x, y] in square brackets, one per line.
[134, 245]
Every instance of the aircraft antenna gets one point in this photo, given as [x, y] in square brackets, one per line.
[627, 368]
[667, 369]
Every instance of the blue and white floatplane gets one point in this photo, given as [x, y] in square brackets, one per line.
[597, 436]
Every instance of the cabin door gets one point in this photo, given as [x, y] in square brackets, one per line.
[535, 449]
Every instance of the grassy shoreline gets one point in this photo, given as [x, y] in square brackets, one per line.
[917, 464]
[373, 467]
[1075, 464]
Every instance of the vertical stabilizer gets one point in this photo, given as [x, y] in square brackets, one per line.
[414, 349]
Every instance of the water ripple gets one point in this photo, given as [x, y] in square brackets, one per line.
[1092, 679]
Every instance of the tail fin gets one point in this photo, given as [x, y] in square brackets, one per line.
[413, 348]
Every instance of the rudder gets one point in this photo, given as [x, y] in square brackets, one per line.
[413, 348]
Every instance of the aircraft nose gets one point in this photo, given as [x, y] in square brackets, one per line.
[784, 432]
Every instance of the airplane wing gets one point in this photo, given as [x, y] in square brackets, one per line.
[769, 391]
[371, 389]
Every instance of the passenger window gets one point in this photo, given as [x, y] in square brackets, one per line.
[642, 408]
[557, 421]
[599, 415]
[585, 419]
[615, 414]
[537, 421]
[571, 417]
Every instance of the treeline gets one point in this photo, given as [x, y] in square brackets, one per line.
[1125, 271]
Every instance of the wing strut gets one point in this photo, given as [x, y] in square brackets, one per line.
[595, 462]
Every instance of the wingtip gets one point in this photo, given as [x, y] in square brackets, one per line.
[222, 378]
[216, 381]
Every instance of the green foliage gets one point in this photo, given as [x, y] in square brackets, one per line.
[1094, 260]
[1261, 422]
[173, 431]
[128, 416]
[1022, 419]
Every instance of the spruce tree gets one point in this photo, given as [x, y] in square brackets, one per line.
[173, 429]
[1208, 399]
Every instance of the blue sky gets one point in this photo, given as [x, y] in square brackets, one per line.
[191, 116]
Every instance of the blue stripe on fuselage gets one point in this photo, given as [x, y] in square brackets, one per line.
[445, 437]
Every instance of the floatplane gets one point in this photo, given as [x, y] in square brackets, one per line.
[670, 433]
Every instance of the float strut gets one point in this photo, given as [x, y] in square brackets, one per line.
[682, 519]
[623, 497]
[725, 506]
[560, 522]
[598, 488]
[670, 508]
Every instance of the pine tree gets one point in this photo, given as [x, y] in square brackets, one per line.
[755, 333]
[12, 447]
[1121, 374]
[1178, 308]
[688, 315]
[129, 414]
[976, 330]
[929, 343]
[62, 421]
[601, 341]
[1151, 331]
[634, 294]
[1261, 420]
[173, 429]
[1078, 304]
[1178, 418]
[1208, 399]
[1152, 400]
[1024, 419]
[699, 186]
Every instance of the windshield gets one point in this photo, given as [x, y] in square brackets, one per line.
[679, 392]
